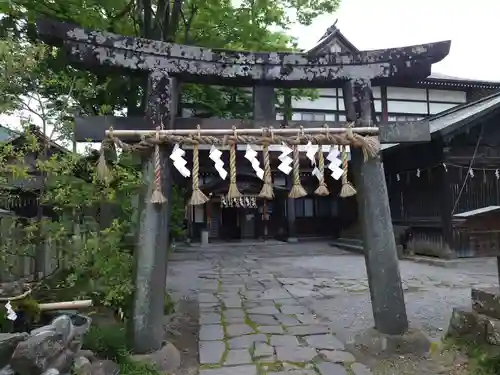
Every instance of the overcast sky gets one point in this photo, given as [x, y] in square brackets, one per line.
[473, 28]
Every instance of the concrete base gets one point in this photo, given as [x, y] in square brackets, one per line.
[292, 240]
[164, 360]
[375, 344]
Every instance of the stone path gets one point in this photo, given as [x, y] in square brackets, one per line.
[273, 310]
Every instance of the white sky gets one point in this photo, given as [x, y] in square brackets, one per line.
[372, 24]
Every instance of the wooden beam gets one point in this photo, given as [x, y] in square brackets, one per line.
[92, 129]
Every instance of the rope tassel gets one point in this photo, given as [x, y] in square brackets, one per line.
[198, 197]
[157, 196]
[322, 189]
[347, 189]
[267, 188]
[298, 190]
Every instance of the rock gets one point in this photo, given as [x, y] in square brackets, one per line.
[165, 359]
[11, 289]
[7, 370]
[466, 323]
[8, 343]
[486, 301]
[492, 331]
[89, 354]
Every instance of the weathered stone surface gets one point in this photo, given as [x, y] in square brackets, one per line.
[210, 318]
[294, 372]
[264, 310]
[295, 354]
[207, 298]
[486, 301]
[246, 341]
[263, 350]
[211, 332]
[305, 330]
[263, 319]
[8, 343]
[238, 357]
[294, 309]
[466, 323]
[284, 340]
[360, 369]
[324, 342]
[104, 367]
[238, 330]
[337, 356]
[327, 368]
[231, 370]
[234, 313]
[287, 320]
[492, 330]
[271, 329]
[211, 352]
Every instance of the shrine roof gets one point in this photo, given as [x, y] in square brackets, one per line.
[435, 79]
[477, 212]
[98, 49]
[460, 116]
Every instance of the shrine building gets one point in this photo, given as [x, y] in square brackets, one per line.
[425, 181]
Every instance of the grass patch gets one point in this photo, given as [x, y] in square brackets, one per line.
[110, 342]
[483, 359]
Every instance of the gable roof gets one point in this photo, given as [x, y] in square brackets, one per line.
[455, 118]
[436, 80]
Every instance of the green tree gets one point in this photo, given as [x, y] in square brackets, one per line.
[250, 25]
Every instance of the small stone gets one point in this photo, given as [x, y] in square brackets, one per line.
[211, 332]
[238, 357]
[327, 368]
[284, 340]
[264, 310]
[337, 356]
[360, 369]
[263, 350]
[211, 352]
[295, 354]
[233, 370]
[324, 342]
[238, 330]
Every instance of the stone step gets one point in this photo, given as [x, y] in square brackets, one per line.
[350, 244]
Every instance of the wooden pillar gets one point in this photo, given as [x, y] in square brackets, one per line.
[290, 203]
[264, 108]
[382, 265]
[153, 238]
[446, 202]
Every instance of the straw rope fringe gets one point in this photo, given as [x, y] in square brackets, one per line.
[267, 188]
[298, 190]
[322, 189]
[157, 196]
[347, 190]
[197, 197]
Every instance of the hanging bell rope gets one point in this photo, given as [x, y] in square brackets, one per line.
[233, 191]
[298, 190]
[267, 188]
[197, 197]
[347, 190]
[157, 196]
[322, 189]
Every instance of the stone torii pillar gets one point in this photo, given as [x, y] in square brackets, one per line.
[382, 264]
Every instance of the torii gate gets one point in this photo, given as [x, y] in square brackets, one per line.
[166, 63]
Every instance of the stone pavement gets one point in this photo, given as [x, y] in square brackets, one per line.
[289, 309]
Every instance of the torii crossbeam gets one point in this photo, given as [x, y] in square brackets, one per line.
[167, 62]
